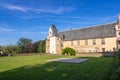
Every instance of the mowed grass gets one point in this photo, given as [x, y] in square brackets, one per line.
[38, 68]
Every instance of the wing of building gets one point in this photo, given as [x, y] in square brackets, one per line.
[101, 38]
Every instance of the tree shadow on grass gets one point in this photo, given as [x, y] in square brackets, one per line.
[48, 71]
[56, 71]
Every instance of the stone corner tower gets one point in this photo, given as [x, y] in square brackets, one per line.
[51, 42]
[117, 30]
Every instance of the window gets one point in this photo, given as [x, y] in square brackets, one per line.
[61, 45]
[71, 43]
[94, 42]
[119, 33]
[103, 49]
[118, 27]
[63, 37]
[86, 42]
[114, 49]
[78, 42]
[103, 41]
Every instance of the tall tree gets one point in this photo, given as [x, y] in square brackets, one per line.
[10, 49]
[22, 42]
[41, 46]
[36, 44]
[29, 48]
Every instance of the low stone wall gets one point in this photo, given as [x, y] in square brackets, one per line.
[95, 54]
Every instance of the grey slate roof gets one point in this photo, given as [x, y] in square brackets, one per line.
[100, 31]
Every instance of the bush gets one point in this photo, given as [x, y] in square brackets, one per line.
[69, 51]
[118, 56]
[116, 74]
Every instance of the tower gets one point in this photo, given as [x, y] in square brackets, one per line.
[51, 42]
[117, 30]
[119, 19]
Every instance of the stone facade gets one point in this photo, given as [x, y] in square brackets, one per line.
[102, 38]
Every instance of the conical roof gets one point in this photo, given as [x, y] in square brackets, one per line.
[53, 30]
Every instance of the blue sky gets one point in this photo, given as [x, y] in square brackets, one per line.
[32, 18]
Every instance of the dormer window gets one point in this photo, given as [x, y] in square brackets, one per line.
[50, 32]
[63, 37]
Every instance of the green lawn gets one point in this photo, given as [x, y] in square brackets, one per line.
[37, 68]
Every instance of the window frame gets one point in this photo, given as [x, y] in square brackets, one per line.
[86, 42]
[94, 41]
[103, 41]
[71, 42]
[78, 42]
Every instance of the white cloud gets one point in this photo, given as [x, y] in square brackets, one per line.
[13, 7]
[58, 10]
[5, 28]
[24, 33]
[85, 20]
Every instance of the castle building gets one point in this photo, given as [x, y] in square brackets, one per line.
[101, 38]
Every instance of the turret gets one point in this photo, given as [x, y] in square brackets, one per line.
[119, 19]
[51, 42]
[52, 31]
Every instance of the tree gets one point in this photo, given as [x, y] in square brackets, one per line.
[21, 44]
[10, 49]
[36, 44]
[29, 48]
[0, 48]
[41, 46]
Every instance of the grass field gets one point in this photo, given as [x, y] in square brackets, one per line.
[37, 68]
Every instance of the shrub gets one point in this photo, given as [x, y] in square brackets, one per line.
[118, 58]
[69, 51]
[116, 74]
[118, 52]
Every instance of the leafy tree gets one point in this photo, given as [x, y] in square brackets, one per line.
[10, 49]
[22, 42]
[36, 44]
[29, 48]
[41, 46]
[0, 48]
[116, 73]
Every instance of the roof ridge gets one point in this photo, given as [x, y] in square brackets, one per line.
[90, 27]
